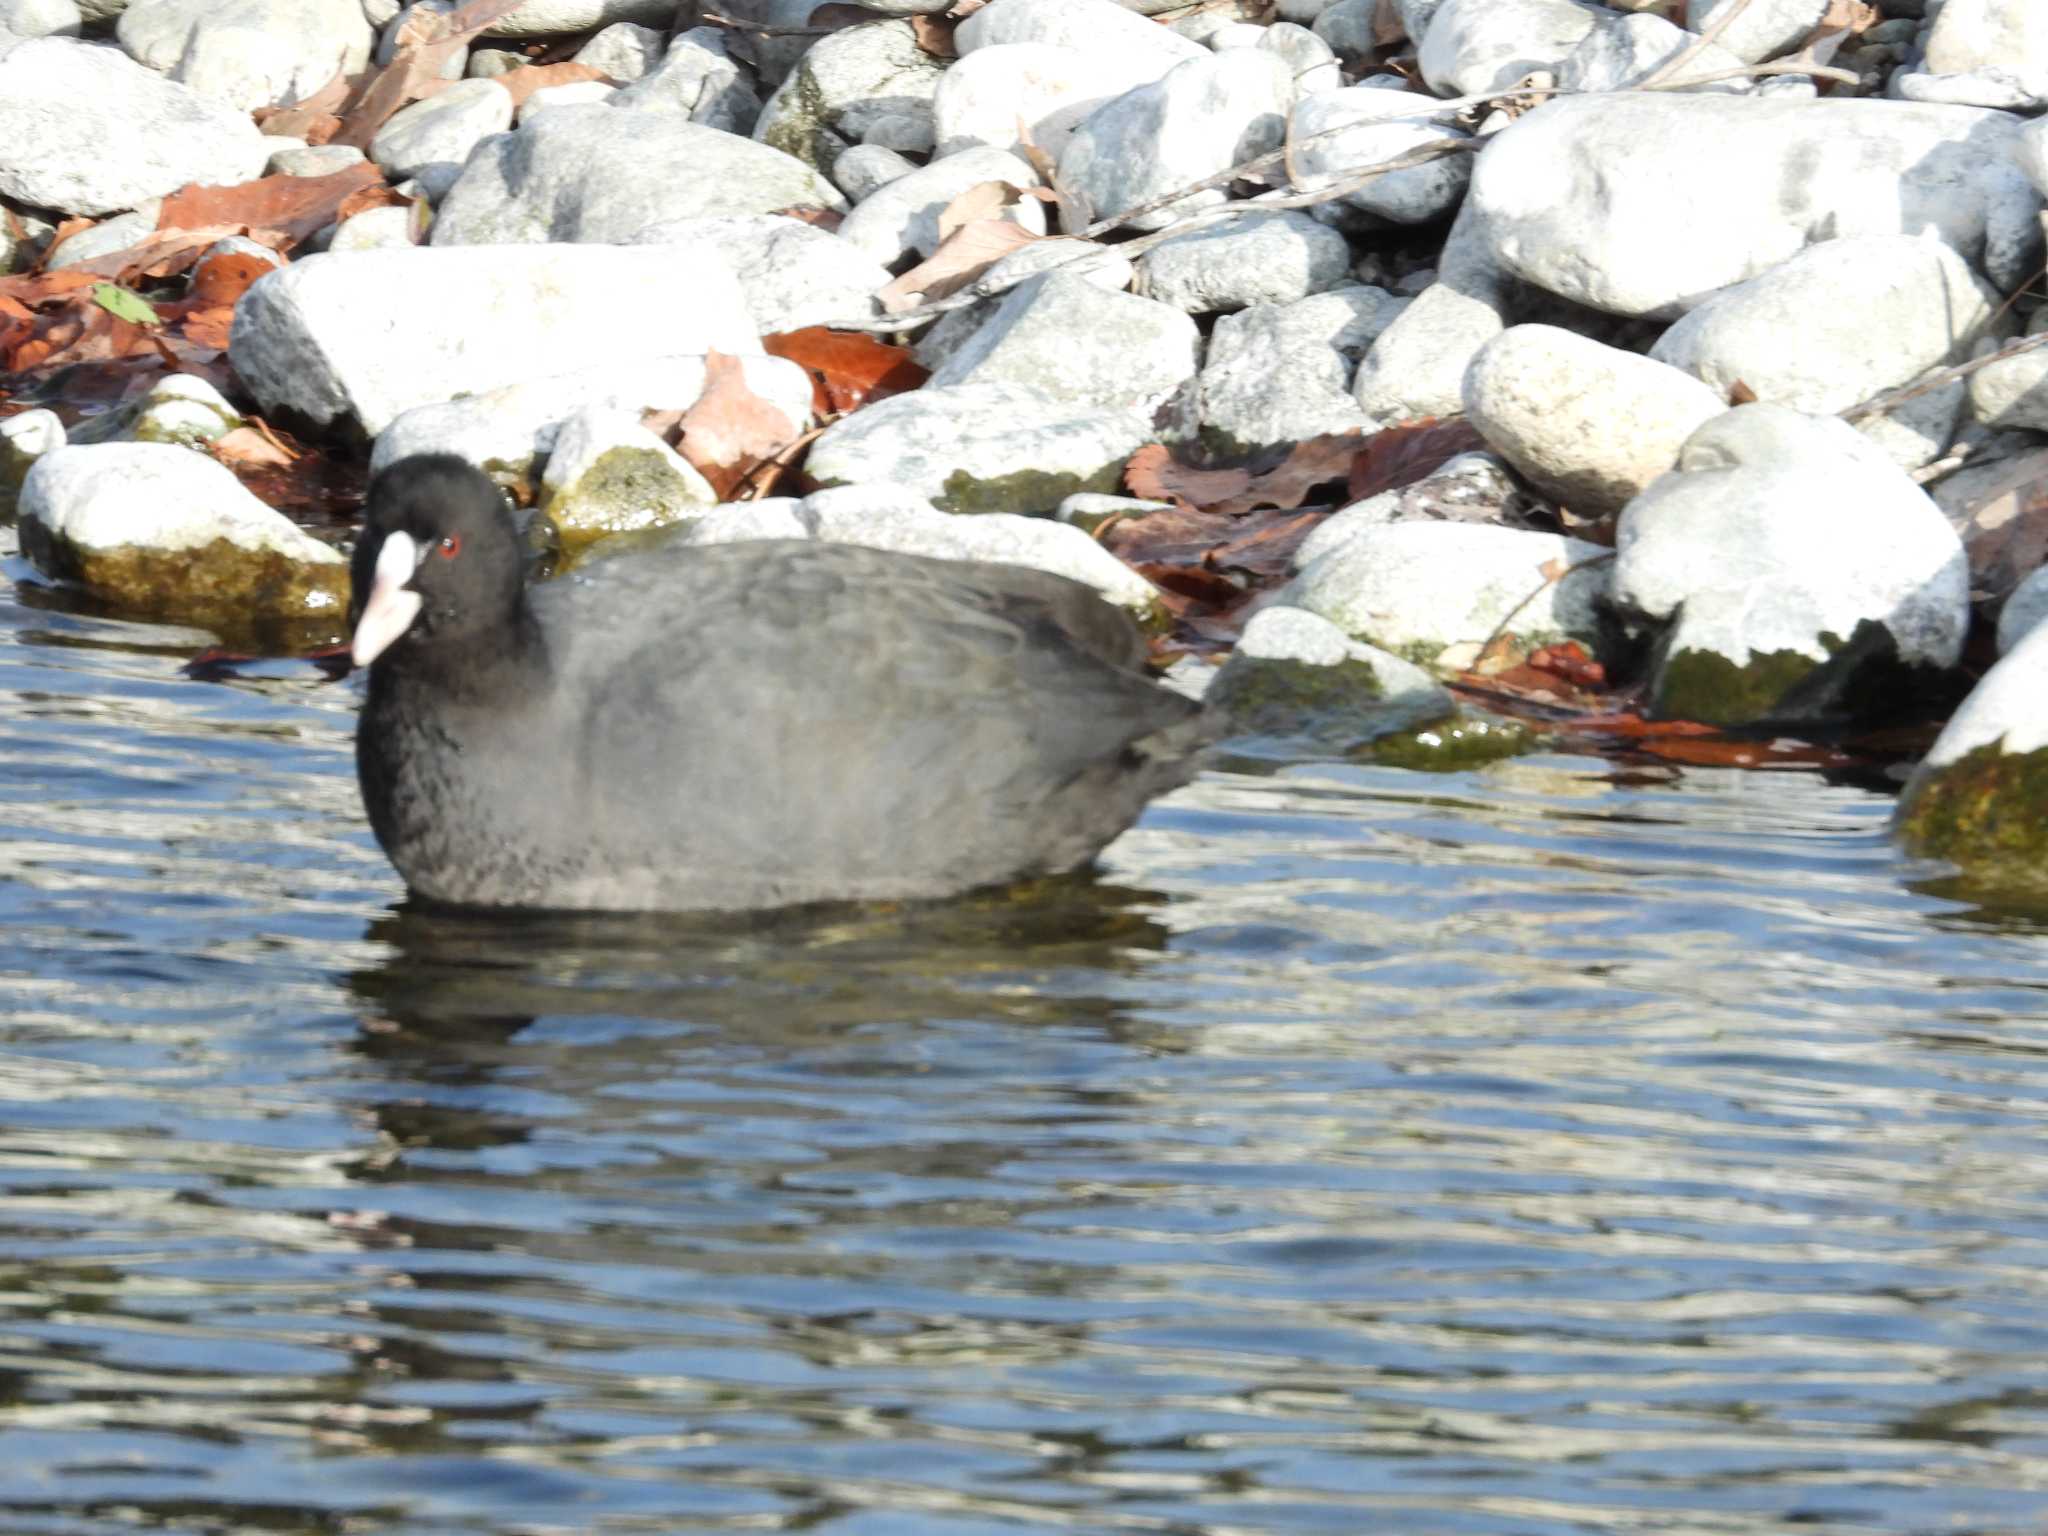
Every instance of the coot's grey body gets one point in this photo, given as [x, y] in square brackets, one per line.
[760, 724]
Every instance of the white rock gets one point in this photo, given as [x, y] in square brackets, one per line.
[1100, 27]
[248, 53]
[1588, 424]
[981, 447]
[1418, 589]
[625, 51]
[1348, 27]
[793, 273]
[1069, 340]
[1254, 258]
[1309, 59]
[2005, 41]
[902, 217]
[549, 18]
[1836, 324]
[1471, 488]
[1276, 373]
[588, 174]
[909, 133]
[737, 522]
[1100, 265]
[86, 130]
[1283, 676]
[1388, 124]
[312, 159]
[992, 93]
[575, 93]
[509, 431]
[24, 438]
[2031, 153]
[374, 229]
[867, 168]
[2023, 611]
[1476, 46]
[842, 85]
[105, 237]
[1417, 367]
[430, 140]
[1778, 536]
[1623, 51]
[2013, 394]
[369, 334]
[888, 517]
[181, 408]
[609, 474]
[1608, 200]
[697, 79]
[1764, 30]
[21, 20]
[1201, 117]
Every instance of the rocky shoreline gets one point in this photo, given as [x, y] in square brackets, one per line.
[1737, 295]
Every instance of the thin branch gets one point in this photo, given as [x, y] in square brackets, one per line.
[1547, 583]
[1892, 399]
[1655, 78]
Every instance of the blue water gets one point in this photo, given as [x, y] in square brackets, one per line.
[1547, 1149]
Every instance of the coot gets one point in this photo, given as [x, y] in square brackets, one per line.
[734, 726]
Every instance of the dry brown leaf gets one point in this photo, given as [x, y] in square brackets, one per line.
[522, 83]
[415, 72]
[1154, 474]
[2005, 534]
[961, 257]
[1388, 30]
[312, 118]
[934, 34]
[983, 200]
[248, 445]
[1739, 393]
[1409, 451]
[730, 428]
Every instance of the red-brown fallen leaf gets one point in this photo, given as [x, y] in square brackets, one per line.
[224, 278]
[827, 219]
[414, 73]
[363, 199]
[730, 428]
[1409, 451]
[31, 289]
[312, 118]
[295, 206]
[522, 83]
[848, 369]
[1154, 474]
[1569, 663]
[1739, 393]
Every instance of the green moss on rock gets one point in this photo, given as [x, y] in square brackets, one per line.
[1034, 492]
[1452, 746]
[1986, 811]
[627, 490]
[1298, 698]
[1708, 687]
[221, 585]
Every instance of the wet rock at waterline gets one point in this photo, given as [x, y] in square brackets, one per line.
[982, 447]
[1294, 673]
[1789, 573]
[180, 408]
[24, 439]
[1977, 798]
[1436, 592]
[351, 340]
[608, 474]
[163, 532]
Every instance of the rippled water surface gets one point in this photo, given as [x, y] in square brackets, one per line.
[1547, 1149]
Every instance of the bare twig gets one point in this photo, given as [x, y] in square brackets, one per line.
[1547, 583]
[1892, 399]
[1654, 79]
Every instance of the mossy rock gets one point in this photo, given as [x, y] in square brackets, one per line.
[625, 490]
[1986, 811]
[1347, 700]
[1033, 492]
[1862, 678]
[233, 590]
[1451, 746]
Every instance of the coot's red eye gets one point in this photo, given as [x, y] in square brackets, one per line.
[449, 547]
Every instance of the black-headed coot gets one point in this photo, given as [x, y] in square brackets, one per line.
[734, 726]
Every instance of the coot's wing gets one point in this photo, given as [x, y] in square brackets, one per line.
[774, 711]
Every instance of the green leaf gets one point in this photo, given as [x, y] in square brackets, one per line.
[123, 305]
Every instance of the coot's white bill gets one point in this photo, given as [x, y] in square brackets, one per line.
[392, 605]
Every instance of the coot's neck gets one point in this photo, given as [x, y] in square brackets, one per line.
[477, 666]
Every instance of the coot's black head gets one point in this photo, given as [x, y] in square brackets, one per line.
[438, 558]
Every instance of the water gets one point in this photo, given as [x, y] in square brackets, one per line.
[1548, 1149]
